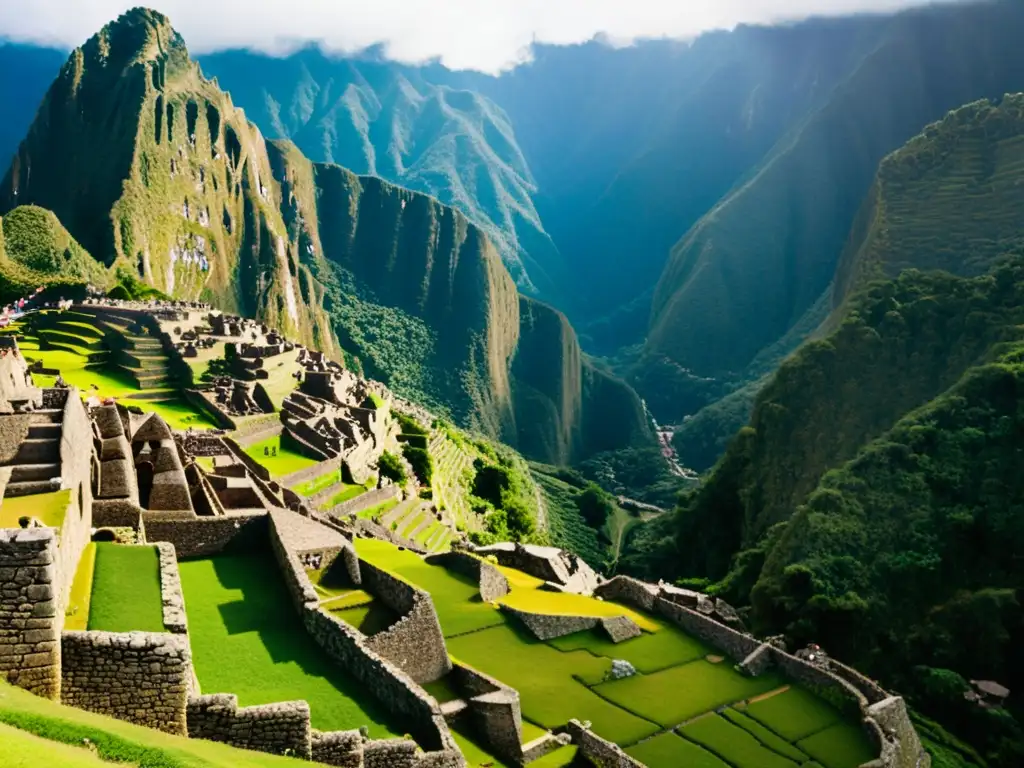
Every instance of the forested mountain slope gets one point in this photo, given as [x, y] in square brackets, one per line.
[384, 119]
[872, 504]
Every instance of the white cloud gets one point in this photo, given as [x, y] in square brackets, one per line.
[470, 34]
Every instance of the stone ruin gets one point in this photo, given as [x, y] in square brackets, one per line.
[241, 398]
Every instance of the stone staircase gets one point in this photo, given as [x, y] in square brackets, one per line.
[38, 459]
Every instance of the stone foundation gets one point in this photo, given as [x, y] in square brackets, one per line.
[141, 677]
[30, 623]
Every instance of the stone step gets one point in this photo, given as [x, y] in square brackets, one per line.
[450, 710]
[28, 489]
[48, 431]
[30, 473]
[54, 416]
[37, 451]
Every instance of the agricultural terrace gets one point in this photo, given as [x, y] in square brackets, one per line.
[48, 508]
[666, 715]
[248, 640]
[78, 346]
[278, 457]
[116, 589]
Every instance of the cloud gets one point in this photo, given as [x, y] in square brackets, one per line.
[465, 34]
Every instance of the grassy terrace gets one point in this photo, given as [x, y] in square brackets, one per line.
[247, 640]
[284, 463]
[666, 715]
[47, 508]
[36, 732]
[125, 594]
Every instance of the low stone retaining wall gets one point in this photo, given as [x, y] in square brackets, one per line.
[415, 642]
[201, 536]
[494, 710]
[116, 513]
[630, 591]
[733, 644]
[253, 466]
[173, 600]
[30, 623]
[206, 405]
[548, 627]
[600, 753]
[309, 473]
[365, 501]
[141, 677]
[280, 728]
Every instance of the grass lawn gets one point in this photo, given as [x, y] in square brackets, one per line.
[178, 414]
[843, 745]
[346, 493]
[380, 509]
[793, 714]
[76, 616]
[678, 694]
[651, 652]
[456, 598]
[25, 750]
[126, 589]
[78, 372]
[767, 737]
[317, 484]
[37, 732]
[733, 744]
[47, 508]
[284, 463]
[549, 693]
[668, 750]
[248, 640]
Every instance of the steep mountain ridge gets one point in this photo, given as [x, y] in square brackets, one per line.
[766, 253]
[383, 119]
[175, 185]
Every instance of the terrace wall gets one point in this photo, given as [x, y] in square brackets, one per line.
[171, 597]
[309, 473]
[252, 465]
[629, 591]
[75, 468]
[549, 626]
[278, 728]
[392, 687]
[30, 622]
[415, 642]
[116, 513]
[201, 536]
[600, 753]
[493, 584]
[733, 644]
[495, 711]
[366, 500]
[141, 677]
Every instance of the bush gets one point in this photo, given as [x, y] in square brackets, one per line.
[391, 467]
[595, 505]
[420, 461]
[120, 293]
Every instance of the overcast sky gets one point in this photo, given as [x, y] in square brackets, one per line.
[466, 34]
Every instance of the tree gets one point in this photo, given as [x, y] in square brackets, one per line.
[391, 467]
[595, 505]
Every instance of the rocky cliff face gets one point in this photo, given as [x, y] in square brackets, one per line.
[173, 183]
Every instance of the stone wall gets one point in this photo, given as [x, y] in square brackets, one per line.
[494, 710]
[837, 691]
[733, 644]
[200, 536]
[171, 597]
[309, 473]
[30, 623]
[889, 723]
[116, 513]
[204, 402]
[201, 444]
[253, 466]
[547, 626]
[600, 753]
[141, 677]
[280, 728]
[75, 470]
[366, 501]
[630, 591]
[415, 642]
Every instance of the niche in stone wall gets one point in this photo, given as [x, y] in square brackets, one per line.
[144, 472]
[104, 534]
[158, 119]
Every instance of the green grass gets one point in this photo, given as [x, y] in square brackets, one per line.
[443, 690]
[346, 493]
[733, 744]
[369, 618]
[560, 758]
[380, 509]
[24, 750]
[456, 598]
[651, 652]
[678, 694]
[317, 484]
[668, 750]
[284, 463]
[126, 589]
[549, 693]
[49, 734]
[476, 754]
[76, 615]
[178, 414]
[767, 737]
[793, 714]
[47, 508]
[843, 745]
[247, 640]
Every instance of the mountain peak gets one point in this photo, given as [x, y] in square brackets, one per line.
[137, 35]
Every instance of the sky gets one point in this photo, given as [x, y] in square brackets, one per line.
[488, 35]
